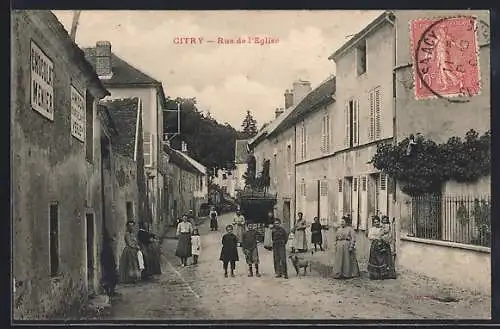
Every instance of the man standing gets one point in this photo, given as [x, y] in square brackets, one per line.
[280, 238]
[249, 246]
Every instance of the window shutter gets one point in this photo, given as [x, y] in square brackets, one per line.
[378, 128]
[363, 204]
[346, 124]
[323, 135]
[355, 123]
[340, 185]
[371, 127]
[382, 194]
[354, 207]
[340, 201]
[327, 133]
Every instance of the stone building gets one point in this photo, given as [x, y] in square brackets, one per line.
[56, 168]
[123, 81]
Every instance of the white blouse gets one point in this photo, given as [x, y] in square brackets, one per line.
[184, 227]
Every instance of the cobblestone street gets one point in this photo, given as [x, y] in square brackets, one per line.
[201, 292]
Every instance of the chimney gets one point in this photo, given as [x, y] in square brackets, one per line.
[300, 90]
[103, 59]
[288, 98]
[278, 111]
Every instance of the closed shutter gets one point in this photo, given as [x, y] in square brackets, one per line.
[323, 202]
[346, 123]
[371, 126]
[327, 133]
[323, 132]
[363, 203]
[355, 122]
[382, 195]
[355, 198]
[378, 104]
[340, 200]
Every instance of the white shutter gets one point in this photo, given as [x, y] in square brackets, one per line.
[355, 122]
[346, 123]
[340, 200]
[363, 203]
[378, 104]
[323, 202]
[382, 195]
[323, 131]
[371, 126]
[327, 124]
[354, 206]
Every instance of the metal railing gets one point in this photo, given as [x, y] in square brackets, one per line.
[460, 219]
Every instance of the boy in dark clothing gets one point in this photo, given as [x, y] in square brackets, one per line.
[229, 252]
[249, 246]
[280, 238]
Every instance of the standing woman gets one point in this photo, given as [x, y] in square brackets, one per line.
[300, 234]
[129, 263]
[239, 226]
[213, 219]
[268, 238]
[184, 230]
[345, 262]
[316, 234]
[380, 263]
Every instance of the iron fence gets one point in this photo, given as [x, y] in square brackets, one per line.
[460, 219]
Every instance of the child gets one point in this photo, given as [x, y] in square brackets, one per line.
[154, 251]
[195, 245]
[213, 219]
[249, 246]
[291, 240]
[229, 252]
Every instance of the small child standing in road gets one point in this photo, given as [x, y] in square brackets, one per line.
[195, 246]
[291, 240]
[249, 246]
[229, 252]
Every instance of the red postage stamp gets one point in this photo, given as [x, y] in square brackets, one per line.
[445, 57]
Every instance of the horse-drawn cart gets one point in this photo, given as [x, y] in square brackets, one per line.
[255, 206]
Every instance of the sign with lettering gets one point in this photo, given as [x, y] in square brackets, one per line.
[77, 115]
[42, 82]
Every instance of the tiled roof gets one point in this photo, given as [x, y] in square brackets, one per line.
[123, 112]
[241, 152]
[201, 168]
[320, 95]
[179, 160]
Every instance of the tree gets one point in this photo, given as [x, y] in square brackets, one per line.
[249, 125]
[209, 142]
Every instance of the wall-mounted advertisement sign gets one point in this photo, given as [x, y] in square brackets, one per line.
[42, 82]
[77, 115]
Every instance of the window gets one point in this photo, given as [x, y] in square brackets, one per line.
[303, 141]
[289, 157]
[383, 181]
[303, 187]
[89, 129]
[374, 130]
[351, 123]
[130, 210]
[361, 58]
[323, 188]
[54, 239]
[363, 183]
[148, 149]
[355, 184]
[325, 134]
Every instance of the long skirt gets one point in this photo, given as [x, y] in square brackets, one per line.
[251, 256]
[381, 263]
[184, 246]
[268, 239]
[345, 264]
[213, 224]
[129, 266]
[153, 264]
[300, 240]
[238, 231]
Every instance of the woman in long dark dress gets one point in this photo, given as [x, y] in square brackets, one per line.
[345, 262]
[184, 230]
[129, 262]
[229, 252]
[154, 253]
[316, 234]
[380, 263]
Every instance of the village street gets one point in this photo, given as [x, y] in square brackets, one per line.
[201, 292]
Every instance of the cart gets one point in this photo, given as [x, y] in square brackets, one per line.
[255, 206]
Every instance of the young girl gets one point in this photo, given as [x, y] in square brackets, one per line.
[195, 245]
[229, 252]
[291, 240]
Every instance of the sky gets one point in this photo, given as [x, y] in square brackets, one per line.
[226, 79]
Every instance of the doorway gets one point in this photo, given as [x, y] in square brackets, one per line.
[286, 214]
[90, 250]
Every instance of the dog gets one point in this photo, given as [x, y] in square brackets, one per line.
[299, 262]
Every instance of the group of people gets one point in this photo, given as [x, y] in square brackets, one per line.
[236, 235]
[381, 260]
[140, 259]
[298, 235]
[189, 241]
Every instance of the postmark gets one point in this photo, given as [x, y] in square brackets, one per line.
[445, 57]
